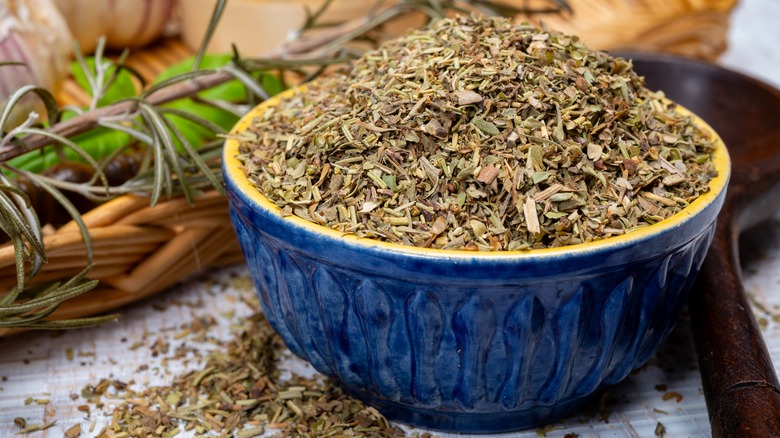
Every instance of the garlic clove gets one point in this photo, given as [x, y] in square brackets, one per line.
[32, 32]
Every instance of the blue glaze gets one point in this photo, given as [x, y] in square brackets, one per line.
[469, 344]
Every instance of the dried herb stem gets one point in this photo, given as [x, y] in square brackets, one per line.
[92, 119]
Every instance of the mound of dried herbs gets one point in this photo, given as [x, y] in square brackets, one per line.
[479, 134]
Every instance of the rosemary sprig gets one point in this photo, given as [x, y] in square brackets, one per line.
[291, 54]
[29, 308]
[174, 164]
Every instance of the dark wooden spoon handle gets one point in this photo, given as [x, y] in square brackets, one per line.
[739, 380]
[740, 384]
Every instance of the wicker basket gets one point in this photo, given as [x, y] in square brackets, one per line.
[140, 251]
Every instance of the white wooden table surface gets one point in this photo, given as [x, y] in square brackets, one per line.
[47, 366]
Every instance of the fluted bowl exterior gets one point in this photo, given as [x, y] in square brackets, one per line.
[470, 342]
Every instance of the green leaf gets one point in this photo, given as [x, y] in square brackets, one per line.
[197, 134]
[52, 300]
[194, 118]
[18, 213]
[159, 85]
[73, 146]
[121, 87]
[231, 91]
[272, 83]
[485, 126]
[555, 214]
[540, 176]
[247, 79]
[98, 143]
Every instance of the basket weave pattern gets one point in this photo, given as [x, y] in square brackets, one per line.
[138, 250]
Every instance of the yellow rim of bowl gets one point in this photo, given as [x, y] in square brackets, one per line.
[234, 172]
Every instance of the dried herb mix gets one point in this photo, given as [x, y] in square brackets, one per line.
[238, 393]
[479, 134]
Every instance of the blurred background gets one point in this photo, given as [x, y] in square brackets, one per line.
[45, 28]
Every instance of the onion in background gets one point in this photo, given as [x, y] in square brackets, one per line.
[124, 23]
[32, 32]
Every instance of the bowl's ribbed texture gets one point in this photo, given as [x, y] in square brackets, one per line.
[463, 341]
[470, 344]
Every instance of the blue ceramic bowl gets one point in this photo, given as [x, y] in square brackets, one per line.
[465, 341]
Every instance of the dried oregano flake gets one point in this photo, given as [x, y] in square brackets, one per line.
[479, 134]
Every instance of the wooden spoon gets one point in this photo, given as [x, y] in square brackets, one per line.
[740, 385]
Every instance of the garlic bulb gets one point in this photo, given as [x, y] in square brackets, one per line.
[124, 23]
[32, 32]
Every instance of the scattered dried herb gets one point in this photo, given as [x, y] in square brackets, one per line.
[237, 392]
[672, 395]
[479, 134]
[31, 428]
[761, 312]
[74, 431]
[660, 429]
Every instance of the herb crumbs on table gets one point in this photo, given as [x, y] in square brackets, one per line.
[660, 429]
[74, 431]
[238, 390]
[672, 395]
[32, 428]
